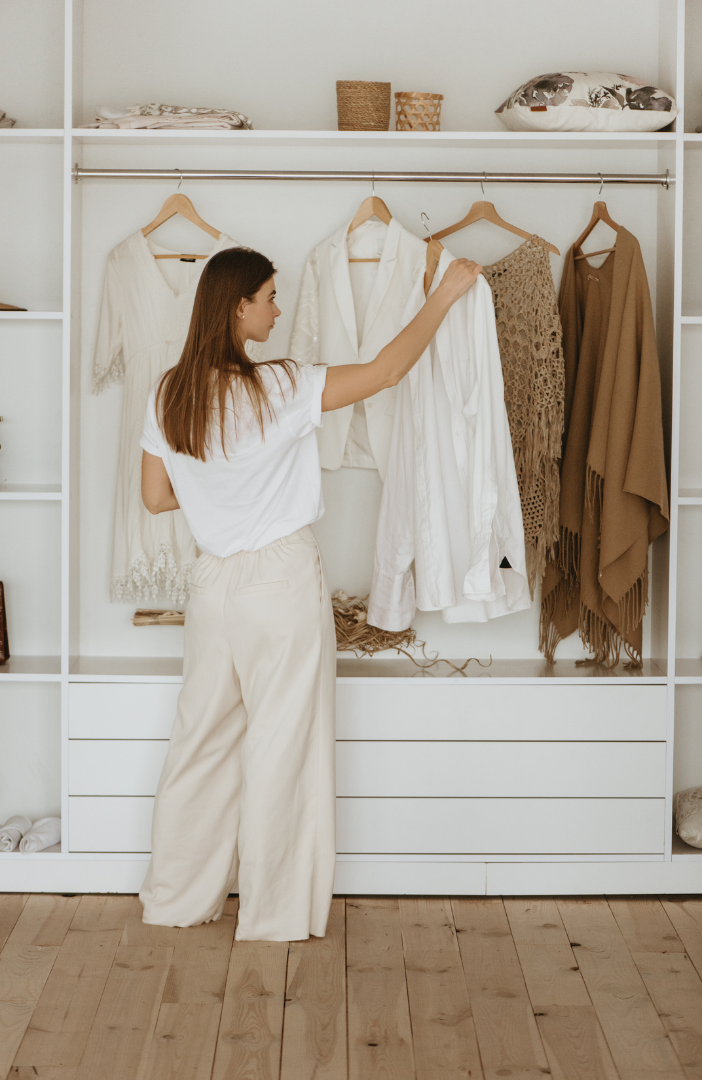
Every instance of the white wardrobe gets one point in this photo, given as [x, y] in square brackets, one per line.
[516, 778]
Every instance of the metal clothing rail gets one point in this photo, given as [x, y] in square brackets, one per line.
[662, 179]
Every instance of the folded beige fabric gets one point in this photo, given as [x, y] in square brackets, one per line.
[44, 833]
[13, 830]
[157, 116]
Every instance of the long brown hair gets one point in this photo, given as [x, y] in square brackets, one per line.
[214, 363]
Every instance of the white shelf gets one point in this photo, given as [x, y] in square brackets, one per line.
[169, 669]
[39, 134]
[683, 852]
[629, 140]
[688, 671]
[691, 320]
[690, 497]
[23, 316]
[33, 492]
[31, 669]
[47, 853]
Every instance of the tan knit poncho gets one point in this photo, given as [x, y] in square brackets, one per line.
[529, 336]
[614, 496]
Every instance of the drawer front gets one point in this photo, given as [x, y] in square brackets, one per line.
[500, 826]
[501, 770]
[109, 824]
[122, 710]
[115, 767]
[473, 710]
[414, 769]
[422, 826]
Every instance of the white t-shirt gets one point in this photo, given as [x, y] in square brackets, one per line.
[269, 487]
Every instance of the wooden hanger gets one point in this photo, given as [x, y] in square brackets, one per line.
[370, 207]
[180, 204]
[434, 249]
[599, 213]
[485, 211]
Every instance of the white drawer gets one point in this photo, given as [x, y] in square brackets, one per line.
[474, 710]
[423, 826]
[500, 826]
[501, 769]
[115, 767]
[414, 769]
[121, 710]
[117, 824]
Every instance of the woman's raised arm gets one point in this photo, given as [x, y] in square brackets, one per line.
[348, 383]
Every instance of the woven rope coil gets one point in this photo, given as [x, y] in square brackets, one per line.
[417, 112]
[363, 106]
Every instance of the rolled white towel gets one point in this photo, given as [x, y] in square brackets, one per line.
[44, 833]
[13, 830]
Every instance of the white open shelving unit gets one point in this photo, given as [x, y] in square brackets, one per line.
[518, 778]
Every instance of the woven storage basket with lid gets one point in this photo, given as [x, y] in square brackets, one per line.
[363, 106]
[417, 112]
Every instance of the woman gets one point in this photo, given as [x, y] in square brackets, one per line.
[247, 792]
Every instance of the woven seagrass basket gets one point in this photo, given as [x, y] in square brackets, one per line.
[363, 106]
[418, 112]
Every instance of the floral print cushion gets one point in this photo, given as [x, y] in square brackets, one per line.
[587, 101]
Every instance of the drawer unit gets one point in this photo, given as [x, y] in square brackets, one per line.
[115, 767]
[474, 710]
[499, 770]
[500, 826]
[422, 826]
[121, 710]
[109, 824]
[415, 769]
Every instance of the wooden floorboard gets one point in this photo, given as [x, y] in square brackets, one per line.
[415, 988]
[443, 1032]
[380, 1035]
[508, 1036]
[635, 1033]
[251, 1028]
[314, 1021]
[670, 978]
[570, 1031]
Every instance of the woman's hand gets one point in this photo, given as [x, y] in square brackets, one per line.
[460, 276]
[353, 382]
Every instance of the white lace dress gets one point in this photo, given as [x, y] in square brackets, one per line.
[144, 320]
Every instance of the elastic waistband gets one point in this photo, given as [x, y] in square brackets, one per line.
[303, 533]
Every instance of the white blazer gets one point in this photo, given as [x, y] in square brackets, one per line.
[325, 329]
[450, 501]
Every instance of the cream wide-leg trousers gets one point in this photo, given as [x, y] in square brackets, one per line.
[247, 792]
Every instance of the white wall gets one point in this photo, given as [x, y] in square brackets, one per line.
[278, 62]
[31, 62]
[30, 736]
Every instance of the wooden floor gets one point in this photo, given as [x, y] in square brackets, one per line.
[430, 988]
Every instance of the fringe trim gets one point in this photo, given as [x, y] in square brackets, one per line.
[106, 376]
[549, 635]
[568, 557]
[599, 637]
[148, 580]
[633, 604]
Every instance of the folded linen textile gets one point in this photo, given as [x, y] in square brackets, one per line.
[44, 833]
[157, 117]
[13, 830]
[6, 121]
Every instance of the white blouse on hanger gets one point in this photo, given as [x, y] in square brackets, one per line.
[144, 320]
[450, 501]
[348, 312]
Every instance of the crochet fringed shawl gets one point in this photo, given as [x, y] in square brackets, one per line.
[529, 337]
[614, 497]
